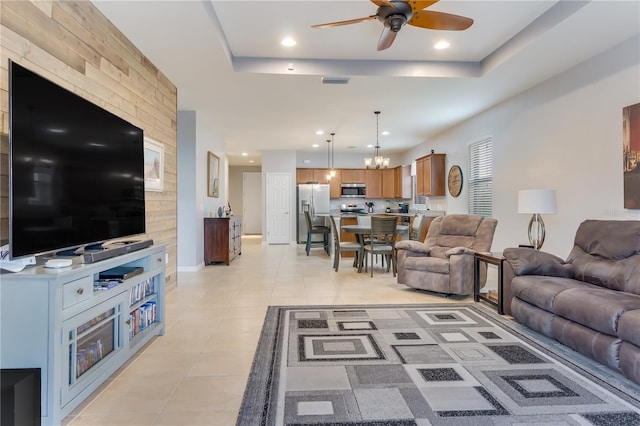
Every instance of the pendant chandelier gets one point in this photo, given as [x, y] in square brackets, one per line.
[378, 161]
[330, 166]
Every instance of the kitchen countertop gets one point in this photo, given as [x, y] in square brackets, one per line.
[430, 213]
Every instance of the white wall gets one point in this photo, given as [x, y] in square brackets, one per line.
[342, 160]
[236, 187]
[199, 138]
[279, 161]
[565, 134]
[186, 187]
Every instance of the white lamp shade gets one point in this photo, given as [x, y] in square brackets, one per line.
[542, 201]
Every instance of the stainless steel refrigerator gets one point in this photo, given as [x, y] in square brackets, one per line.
[315, 199]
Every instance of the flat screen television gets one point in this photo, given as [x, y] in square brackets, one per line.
[76, 173]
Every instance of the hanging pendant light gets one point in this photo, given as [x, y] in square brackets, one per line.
[329, 159]
[378, 161]
[333, 170]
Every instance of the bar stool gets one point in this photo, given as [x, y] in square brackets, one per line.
[316, 230]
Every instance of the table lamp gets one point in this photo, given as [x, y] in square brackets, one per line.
[537, 202]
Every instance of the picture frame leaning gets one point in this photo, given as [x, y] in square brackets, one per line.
[153, 165]
[213, 175]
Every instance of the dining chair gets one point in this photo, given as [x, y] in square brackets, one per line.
[340, 246]
[416, 227]
[316, 230]
[382, 240]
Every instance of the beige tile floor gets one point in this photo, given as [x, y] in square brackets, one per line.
[196, 373]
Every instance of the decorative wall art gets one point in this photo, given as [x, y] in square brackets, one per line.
[153, 165]
[631, 155]
[213, 167]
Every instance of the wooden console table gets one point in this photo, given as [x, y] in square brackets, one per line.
[222, 239]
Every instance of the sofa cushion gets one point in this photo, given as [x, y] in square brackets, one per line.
[629, 327]
[430, 264]
[454, 230]
[541, 291]
[599, 346]
[609, 239]
[596, 308]
[456, 224]
[607, 253]
[622, 275]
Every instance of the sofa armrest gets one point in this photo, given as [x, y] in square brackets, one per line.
[528, 261]
[413, 246]
[458, 250]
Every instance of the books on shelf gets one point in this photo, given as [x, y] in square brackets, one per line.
[141, 318]
[142, 290]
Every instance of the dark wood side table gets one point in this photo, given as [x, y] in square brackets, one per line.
[494, 259]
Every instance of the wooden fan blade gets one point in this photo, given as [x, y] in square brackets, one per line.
[386, 38]
[339, 23]
[439, 21]
[417, 6]
[381, 3]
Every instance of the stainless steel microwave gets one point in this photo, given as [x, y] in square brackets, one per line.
[353, 190]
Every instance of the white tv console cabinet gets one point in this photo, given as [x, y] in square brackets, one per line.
[54, 319]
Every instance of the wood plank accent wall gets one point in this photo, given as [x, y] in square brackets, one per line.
[72, 44]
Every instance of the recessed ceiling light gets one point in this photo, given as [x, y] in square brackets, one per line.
[244, 154]
[369, 146]
[251, 161]
[385, 133]
[315, 145]
[442, 44]
[288, 41]
[319, 132]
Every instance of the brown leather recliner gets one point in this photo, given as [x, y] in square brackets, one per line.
[444, 262]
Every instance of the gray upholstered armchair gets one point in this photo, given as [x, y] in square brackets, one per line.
[444, 262]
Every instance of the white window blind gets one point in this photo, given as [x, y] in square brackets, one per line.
[480, 177]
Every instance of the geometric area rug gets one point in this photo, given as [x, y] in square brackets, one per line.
[438, 364]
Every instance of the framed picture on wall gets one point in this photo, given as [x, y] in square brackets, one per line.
[153, 165]
[213, 167]
[631, 155]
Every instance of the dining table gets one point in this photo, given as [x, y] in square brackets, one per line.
[361, 230]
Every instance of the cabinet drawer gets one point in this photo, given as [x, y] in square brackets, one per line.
[157, 261]
[77, 291]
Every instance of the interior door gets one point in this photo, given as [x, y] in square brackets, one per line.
[252, 202]
[278, 194]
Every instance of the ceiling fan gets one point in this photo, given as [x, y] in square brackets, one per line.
[394, 14]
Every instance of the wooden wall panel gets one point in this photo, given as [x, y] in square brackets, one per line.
[75, 46]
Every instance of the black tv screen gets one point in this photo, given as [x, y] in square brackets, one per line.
[76, 170]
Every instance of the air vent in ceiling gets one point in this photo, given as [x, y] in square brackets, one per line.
[335, 80]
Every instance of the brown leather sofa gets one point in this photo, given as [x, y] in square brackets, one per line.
[444, 262]
[591, 301]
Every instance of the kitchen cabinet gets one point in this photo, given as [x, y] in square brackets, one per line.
[353, 176]
[431, 175]
[335, 190]
[403, 182]
[314, 175]
[373, 179]
[222, 239]
[388, 183]
[320, 175]
[304, 175]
